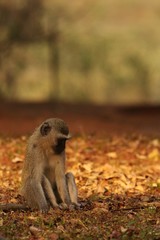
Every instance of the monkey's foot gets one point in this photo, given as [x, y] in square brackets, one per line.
[63, 206]
[75, 206]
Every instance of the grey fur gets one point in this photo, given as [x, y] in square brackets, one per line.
[44, 182]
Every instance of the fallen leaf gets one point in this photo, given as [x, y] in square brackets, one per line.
[112, 155]
[32, 217]
[1, 222]
[53, 236]
[34, 230]
[141, 157]
[60, 228]
[78, 222]
[17, 160]
[154, 154]
[158, 180]
[155, 143]
[123, 229]
[1, 173]
[154, 185]
[139, 188]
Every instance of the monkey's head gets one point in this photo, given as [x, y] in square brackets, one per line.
[55, 132]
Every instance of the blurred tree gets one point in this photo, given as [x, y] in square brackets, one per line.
[141, 75]
[22, 24]
[19, 24]
[95, 48]
[54, 60]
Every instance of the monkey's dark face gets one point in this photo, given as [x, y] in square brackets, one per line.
[60, 146]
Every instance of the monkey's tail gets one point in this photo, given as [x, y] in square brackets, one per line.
[13, 207]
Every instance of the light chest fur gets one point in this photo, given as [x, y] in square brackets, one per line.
[55, 163]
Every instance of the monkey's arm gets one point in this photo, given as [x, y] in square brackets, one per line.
[49, 192]
[72, 188]
[61, 183]
[13, 207]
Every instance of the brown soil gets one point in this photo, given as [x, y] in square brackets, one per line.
[21, 118]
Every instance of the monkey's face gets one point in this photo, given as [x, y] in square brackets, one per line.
[59, 147]
[55, 132]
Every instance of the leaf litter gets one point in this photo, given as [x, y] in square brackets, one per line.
[118, 179]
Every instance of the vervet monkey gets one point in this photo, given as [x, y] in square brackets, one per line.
[44, 182]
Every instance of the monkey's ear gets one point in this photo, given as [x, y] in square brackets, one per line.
[45, 129]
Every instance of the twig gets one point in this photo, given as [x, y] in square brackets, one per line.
[138, 207]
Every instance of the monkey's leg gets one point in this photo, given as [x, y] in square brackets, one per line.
[34, 195]
[49, 192]
[72, 188]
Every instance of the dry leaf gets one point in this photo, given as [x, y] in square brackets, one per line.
[154, 154]
[155, 143]
[53, 236]
[154, 185]
[112, 155]
[1, 222]
[141, 157]
[17, 160]
[1, 173]
[158, 180]
[34, 230]
[87, 166]
[139, 188]
[78, 222]
[32, 217]
[60, 228]
[98, 165]
[123, 229]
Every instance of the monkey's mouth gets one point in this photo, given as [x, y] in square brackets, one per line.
[59, 147]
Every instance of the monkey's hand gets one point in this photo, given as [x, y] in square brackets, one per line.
[71, 206]
[77, 205]
[74, 206]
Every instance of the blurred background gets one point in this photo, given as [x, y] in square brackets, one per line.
[103, 52]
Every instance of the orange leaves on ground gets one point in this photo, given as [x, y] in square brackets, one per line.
[115, 165]
[11, 158]
[104, 166]
[115, 173]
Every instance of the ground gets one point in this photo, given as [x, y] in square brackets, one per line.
[115, 156]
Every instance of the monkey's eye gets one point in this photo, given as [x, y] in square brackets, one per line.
[60, 146]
